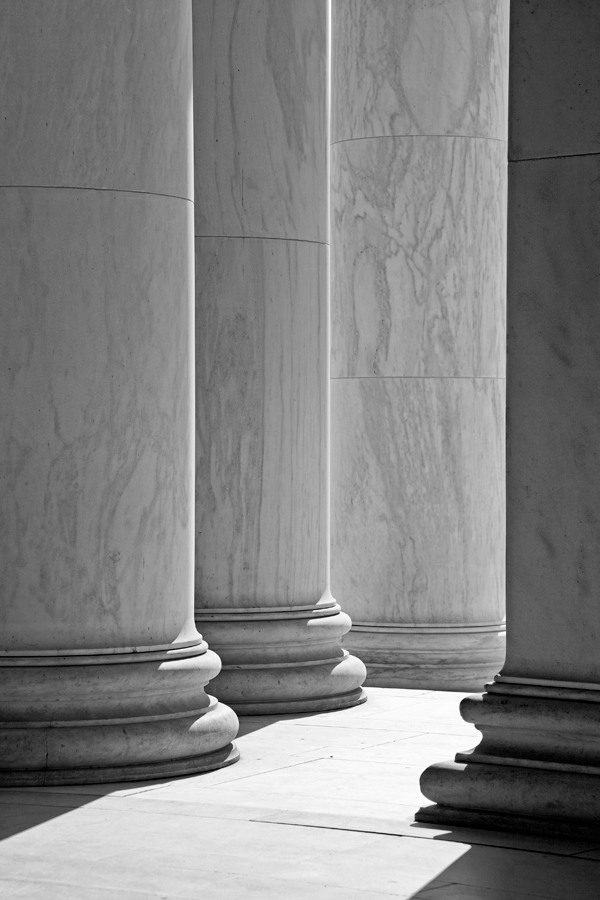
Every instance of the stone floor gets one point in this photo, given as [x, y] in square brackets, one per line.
[319, 806]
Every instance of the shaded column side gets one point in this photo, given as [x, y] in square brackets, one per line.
[537, 765]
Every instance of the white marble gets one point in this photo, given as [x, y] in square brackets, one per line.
[260, 69]
[295, 843]
[261, 484]
[554, 78]
[418, 202]
[83, 107]
[537, 767]
[85, 722]
[463, 658]
[261, 428]
[96, 542]
[417, 480]
[279, 662]
[261, 146]
[553, 494]
[96, 431]
[102, 669]
[434, 67]
[418, 257]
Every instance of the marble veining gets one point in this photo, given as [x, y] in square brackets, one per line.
[418, 257]
[417, 473]
[260, 111]
[95, 432]
[83, 106]
[553, 420]
[419, 67]
[261, 428]
[261, 164]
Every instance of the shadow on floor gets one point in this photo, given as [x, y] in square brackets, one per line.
[24, 808]
[499, 874]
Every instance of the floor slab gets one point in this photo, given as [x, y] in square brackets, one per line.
[319, 806]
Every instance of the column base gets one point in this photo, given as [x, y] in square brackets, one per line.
[431, 657]
[109, 774]
[95, 717]
[487, 820]
[290, 707]
[281, 661]
[536, 769]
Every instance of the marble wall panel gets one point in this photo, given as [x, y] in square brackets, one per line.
[555, 78]
[261, 129]
[84, 106]
[553, 420]
[417, 474]
[96, 433]
[418, 257]
[261, 427]
[419, 67]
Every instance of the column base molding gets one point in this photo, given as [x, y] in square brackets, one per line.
[173, 768]
[80, 719]
[574, 829]
[433, 657]
[291, 707]
[536, 769]
[283, 661]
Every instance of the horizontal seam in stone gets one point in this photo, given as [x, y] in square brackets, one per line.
[422, 377]
[68, 187]
[251, 237]
[378, 137]
[558, 156]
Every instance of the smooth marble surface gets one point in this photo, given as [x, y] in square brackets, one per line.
[261, 165]
[418, 257]
[104, 723]
[417, 481]
[96, 546]
[418, 201]
[512, 796]
[537, 767]
[261, 429]
[553, 423]
[102, 669]
[527, 729]
[261, 483]
[435, 67]
[462, 658]
[260, 109]
[555, 78]
[280, 661]
[329, 834]
[97, 95]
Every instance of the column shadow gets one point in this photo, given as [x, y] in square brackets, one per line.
[22, 808]
[505, 865]
[489, 872]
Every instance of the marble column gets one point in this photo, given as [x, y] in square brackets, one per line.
[418, 217]
[537, 767]
[102, 671]
[262, 591]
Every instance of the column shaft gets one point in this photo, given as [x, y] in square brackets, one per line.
[418, 216]
[262, 591]
[537, 767]
[102, 669]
